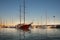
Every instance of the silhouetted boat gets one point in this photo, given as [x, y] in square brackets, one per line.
[57, 26]
[23, 27]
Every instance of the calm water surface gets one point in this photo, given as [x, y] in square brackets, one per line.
[33, 34]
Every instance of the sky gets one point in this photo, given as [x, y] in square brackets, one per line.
[35, 10]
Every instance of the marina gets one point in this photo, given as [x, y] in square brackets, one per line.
[29, 20]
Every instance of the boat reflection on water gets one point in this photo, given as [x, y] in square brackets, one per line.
[25, 30]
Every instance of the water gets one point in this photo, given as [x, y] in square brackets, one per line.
[34, 34]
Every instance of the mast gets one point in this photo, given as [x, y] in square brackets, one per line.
[0, 21]
[12, 20]
[54, 21]
[24, 15]
[41, 20]
[24, 10]
[20, 13]
[46, 24]
[46, 17]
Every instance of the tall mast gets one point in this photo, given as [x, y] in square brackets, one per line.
[24, 15]
[24, 10]
[20, 13]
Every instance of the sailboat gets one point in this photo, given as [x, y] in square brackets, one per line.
[23, 26]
